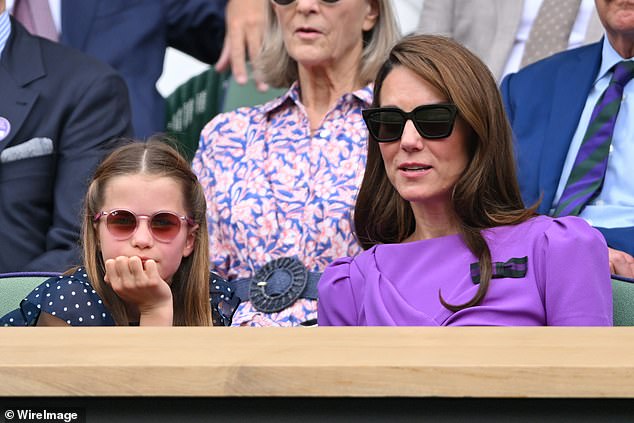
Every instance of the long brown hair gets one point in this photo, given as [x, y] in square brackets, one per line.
[487, 193]
[190, 283]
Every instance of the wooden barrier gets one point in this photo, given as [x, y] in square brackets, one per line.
[318, 362]
[316, 374]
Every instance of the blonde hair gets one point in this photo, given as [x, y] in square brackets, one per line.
[280, 70]
[190, 283]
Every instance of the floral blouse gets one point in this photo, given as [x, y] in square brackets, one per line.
[274, 189]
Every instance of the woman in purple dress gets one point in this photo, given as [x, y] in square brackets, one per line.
[446, 235]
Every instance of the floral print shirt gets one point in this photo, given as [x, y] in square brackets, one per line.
[275, 189]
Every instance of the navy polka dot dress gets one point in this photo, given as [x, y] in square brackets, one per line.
[72, 299]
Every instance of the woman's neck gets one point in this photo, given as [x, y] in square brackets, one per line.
[322, 87]
[433, 221]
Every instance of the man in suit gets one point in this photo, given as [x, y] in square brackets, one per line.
[496, 30]
[132, 37]
[59, 110]
[550, 104]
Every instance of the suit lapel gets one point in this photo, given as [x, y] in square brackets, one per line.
[573, 81]
[77, 20]
[21, 64]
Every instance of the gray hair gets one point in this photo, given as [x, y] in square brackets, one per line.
[279, 70]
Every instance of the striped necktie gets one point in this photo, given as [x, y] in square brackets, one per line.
[588, 171]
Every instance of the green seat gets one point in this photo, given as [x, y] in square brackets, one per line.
[237, 95]
[623, 294]
[191, 106]
[15, 286]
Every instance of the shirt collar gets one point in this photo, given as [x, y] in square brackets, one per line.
[609, 58]
[5, 30]
[363, 94]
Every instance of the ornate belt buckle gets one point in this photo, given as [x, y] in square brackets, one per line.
[278, 284]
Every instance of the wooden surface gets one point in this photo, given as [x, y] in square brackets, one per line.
[318, 362]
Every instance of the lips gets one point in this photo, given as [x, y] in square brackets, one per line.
[414, 167]
[307, 29]
[308, 32]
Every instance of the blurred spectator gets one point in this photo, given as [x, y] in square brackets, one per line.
[281, 178]
[132, 38]
[498, 30]
[59, 109]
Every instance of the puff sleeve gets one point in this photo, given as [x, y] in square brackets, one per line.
[337, 305]
[574, 274]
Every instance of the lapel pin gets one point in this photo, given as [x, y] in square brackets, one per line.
[5, 128]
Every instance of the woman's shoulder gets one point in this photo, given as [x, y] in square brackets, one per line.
[546, 237]
[551, 227]
[241, 119]
[568, 228]
[349, 267]
[229, 122]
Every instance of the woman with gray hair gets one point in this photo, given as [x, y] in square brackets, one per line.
[281, 178]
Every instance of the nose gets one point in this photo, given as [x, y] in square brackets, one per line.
[142, 237]
[306, 6]
[411, 140]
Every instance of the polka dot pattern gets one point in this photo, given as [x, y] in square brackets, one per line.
[551, 29]
[73, 300]
[69, 298]
[223, 301]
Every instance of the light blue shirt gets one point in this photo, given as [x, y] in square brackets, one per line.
[5, 30]
[614, 206]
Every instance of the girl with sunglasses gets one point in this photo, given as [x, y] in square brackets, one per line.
[145, 249]
[447, 237]
[280, 178]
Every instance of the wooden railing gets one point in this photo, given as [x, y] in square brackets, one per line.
[492, 362]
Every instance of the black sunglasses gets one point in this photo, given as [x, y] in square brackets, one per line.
[287, 2]
[432, 121]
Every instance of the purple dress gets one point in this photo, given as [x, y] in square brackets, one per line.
[548, 272]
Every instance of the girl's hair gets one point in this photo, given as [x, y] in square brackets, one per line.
[487, 193]
[190, 283]
[280, 70]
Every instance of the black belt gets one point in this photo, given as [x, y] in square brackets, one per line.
[278, 284]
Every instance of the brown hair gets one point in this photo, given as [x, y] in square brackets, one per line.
[190, 283]
[487, 193]
[280, 70]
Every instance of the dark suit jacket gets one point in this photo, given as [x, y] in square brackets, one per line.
[132, 35]
[544, 102]
[51, 91]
